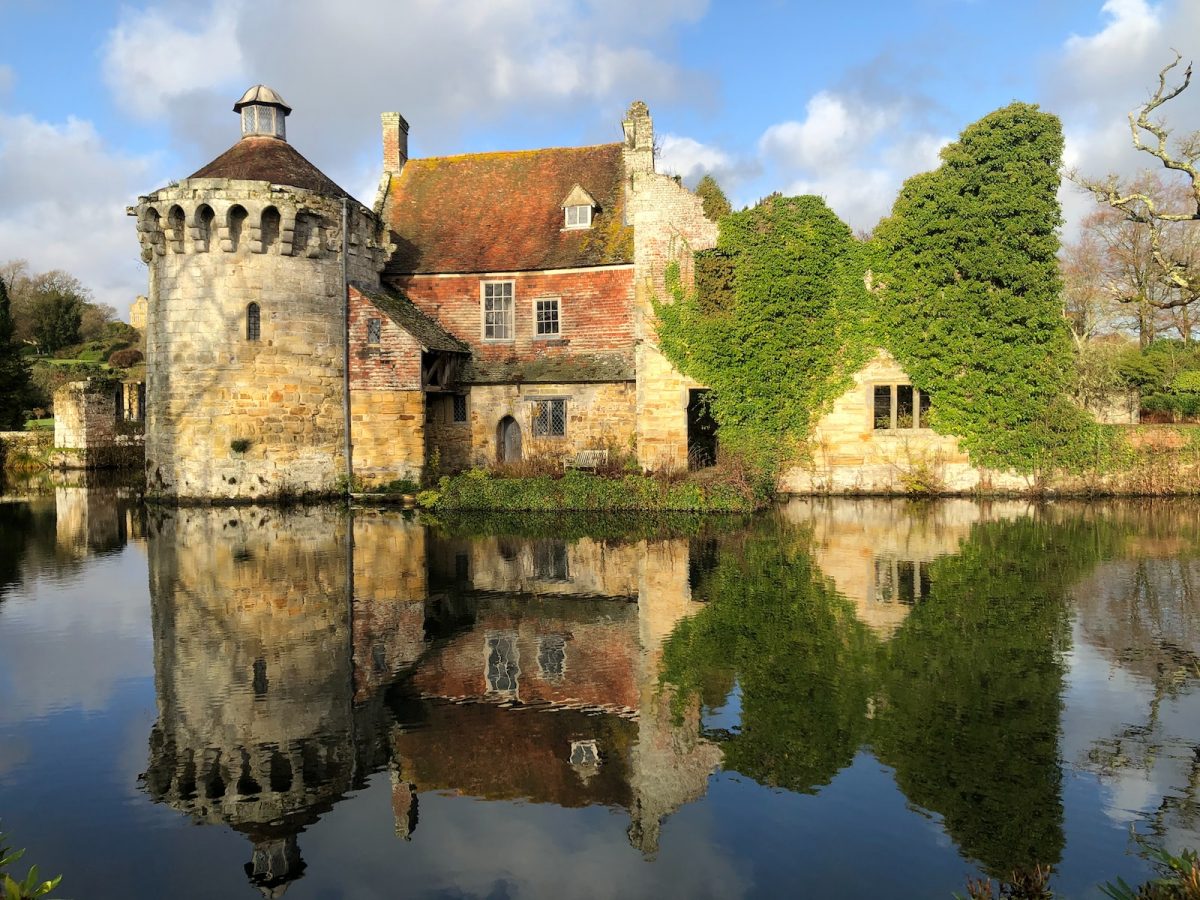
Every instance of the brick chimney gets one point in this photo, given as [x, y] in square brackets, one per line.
[395, 142]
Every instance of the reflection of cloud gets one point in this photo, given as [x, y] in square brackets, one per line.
[13, 752]
[67, 645]
[535, 850]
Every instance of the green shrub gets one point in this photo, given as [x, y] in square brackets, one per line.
[123, 359]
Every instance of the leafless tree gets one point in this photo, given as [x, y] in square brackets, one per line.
[1178, 274]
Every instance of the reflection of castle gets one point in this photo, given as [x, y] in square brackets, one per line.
[878, 552]
[296, 652]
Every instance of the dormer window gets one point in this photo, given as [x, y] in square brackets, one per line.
[577, 208]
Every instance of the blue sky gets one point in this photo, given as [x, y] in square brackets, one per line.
[102, 101]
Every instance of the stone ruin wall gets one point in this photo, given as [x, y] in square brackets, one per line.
[669, 225]
[90, 428]
[207, 385]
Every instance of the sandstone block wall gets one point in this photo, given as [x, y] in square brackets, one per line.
[598, 416]
[388, 428]
[669, 225]
[214, 246]
[850, 456]
[89, 429]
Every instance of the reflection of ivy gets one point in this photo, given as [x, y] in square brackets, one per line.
[965, 697]
[801, 657]
[971, 688]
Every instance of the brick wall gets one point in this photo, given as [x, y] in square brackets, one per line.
[595, 309]
[394, 363]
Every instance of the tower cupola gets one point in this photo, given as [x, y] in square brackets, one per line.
[262, 111]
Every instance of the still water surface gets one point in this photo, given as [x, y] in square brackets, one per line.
[834, 699]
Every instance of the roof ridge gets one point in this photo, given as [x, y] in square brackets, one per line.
[524, 152]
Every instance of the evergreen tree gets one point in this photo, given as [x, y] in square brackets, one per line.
[14, 374]
[716, 204]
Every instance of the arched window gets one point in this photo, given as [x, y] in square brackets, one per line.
[175, 224]
[253, 322]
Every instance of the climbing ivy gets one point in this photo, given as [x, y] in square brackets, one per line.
[969, 295]
[777, 327]
[963, 291]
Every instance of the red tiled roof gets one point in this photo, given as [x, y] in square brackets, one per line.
[502, 212]
[262, 158]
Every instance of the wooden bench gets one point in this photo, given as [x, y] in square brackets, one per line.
[586, 459]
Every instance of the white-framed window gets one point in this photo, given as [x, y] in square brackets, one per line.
[547, 321]
[578, 216]
[899, 406]
[497, 310]
[374, 330]
[549, 417]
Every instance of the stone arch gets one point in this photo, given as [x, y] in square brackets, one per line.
[236, 221]
[269, 227]
[203, 228]
[175, 223]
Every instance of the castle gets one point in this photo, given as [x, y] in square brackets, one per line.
[489, 307]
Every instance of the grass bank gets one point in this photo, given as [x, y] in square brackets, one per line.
[479, 489]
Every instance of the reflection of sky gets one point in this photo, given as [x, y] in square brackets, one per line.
[77, 705]
[1102, 701]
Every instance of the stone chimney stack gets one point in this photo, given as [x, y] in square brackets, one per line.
[395, 142]
[639, 138]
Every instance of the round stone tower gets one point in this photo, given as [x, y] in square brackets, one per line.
[245, 324]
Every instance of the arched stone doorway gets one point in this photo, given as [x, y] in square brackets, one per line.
[508, 440]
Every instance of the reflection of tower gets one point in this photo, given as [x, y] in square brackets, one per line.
[253, 674]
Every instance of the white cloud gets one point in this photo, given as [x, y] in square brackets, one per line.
[1100, 77]
[62, 204]
[833, 128]
[450, 67]
[151, 60]
[692, 160]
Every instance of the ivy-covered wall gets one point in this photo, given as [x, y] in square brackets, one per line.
[959, 285]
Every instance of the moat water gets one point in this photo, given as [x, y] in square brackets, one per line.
[832, 699]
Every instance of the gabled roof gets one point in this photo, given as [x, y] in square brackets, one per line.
[428, 333]
[502, 212]
[579, 197]
[262, 158]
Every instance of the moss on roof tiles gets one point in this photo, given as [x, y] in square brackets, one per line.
[558, 369]
[428, 333]
[502, 212]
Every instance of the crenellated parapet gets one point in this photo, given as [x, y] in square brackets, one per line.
[218, 215]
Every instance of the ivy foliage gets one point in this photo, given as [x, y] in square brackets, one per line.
[776, 328]
[969, 293]
[716, 204]
[964, 292]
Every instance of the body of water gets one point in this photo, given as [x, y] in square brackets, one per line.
[850, 698]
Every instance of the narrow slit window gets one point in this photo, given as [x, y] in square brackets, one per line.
[253, 322]
[374, 330]
[883, 406]
[904, 406]
[922, 409]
